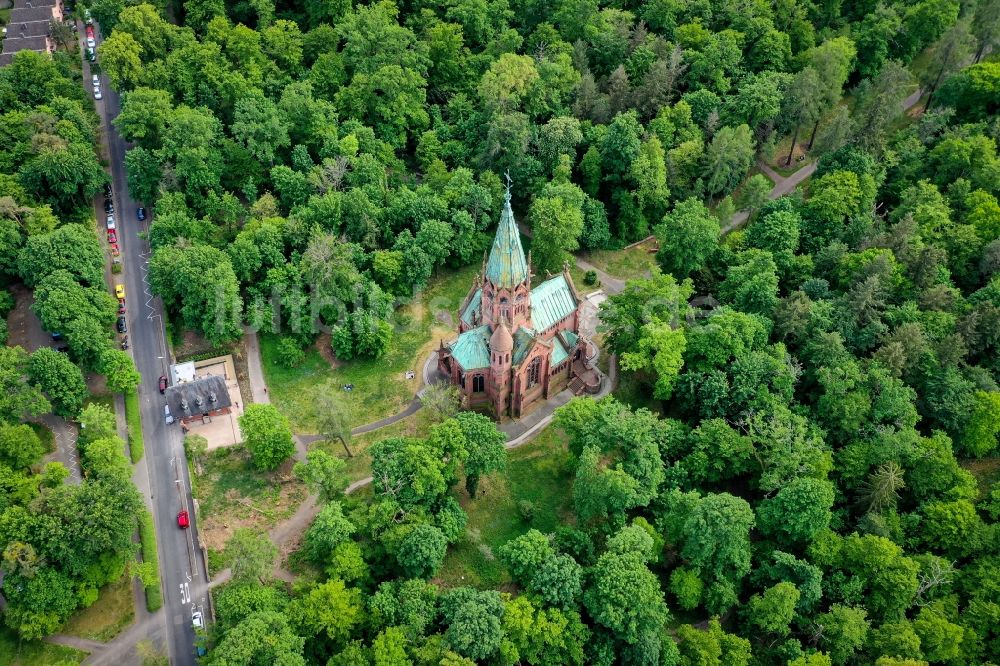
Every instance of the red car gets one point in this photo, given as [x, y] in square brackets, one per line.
[182, 520]
[112, 236]
[163, 383]
[114, 250]
[90, 31]
[121, 308]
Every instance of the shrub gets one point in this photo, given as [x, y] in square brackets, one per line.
[590, 278]
[136, 447]
[147, 537]
[290, 353]
[526, 510]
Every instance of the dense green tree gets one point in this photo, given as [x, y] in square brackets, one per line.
[251, 555]
[267, 435]
[60, 380]
[688, 236]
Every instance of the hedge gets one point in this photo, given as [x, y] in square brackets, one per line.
[147, 536]
[134, 419]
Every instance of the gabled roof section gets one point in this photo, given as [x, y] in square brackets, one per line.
[201, 396]
[558, 354]
[506, 265]
[468, 314]
[472, 349]
[551, 301]
[524, 337]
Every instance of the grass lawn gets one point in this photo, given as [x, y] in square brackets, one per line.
[536, 473]
[232, 494]
[380, 386]
[106, 617]
[14, 652]
[631, 264]
[360, 464]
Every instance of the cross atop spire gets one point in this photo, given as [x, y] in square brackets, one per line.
[506, 194]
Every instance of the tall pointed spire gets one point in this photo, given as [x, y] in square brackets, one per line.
[506, 266]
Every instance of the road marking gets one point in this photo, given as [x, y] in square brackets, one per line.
[185, 593]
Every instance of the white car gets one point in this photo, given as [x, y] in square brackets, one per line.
[197, 620]
[91, 43]
[97, 93]
[110, 222]
[95, 80]
[87, 17]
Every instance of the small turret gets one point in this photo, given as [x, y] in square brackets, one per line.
[502, 342]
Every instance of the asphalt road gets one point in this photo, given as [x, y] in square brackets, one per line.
[183, 573]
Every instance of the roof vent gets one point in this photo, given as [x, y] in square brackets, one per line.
[199, 401]
[212, 397]
[184, 404]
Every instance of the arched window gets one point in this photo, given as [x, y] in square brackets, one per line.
[534, 370]
[478, 384]
[461, 379]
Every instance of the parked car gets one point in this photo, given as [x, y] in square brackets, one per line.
[197, 620]
[87, 17]
[95, 79]
[90, 31]
[183, 522]
[112, 236]
[57, 335]
[121, 308]
[140, 213]
[97, 94]
[163, 383]
[62, 349]
[111, 222]
[91, 54]
[107, 190]
[114, 250]
[120, 292]
[167, 416]
[91, 43]
[122, 326]
[109, 206]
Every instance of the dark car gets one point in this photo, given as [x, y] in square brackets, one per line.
[163, 383]
[107, 191]
[62, 349]
[109, 206]
[140, 213]
[122, 326]
[57, 336]
[91, 55]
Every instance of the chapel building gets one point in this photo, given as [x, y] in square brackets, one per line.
[517, 345]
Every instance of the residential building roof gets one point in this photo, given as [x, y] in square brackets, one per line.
[201, 396]
[29, 14]
[468, 314]
[472, 349]
[506, 266]
[27, 29]
[13, 44]
[551, 302]
[22, 4]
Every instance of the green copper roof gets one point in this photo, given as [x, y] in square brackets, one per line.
[506, 266]
[523, 338]
[473, 306]
[570, 337]
[558, 354]
[472, 348]
[551, 301]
